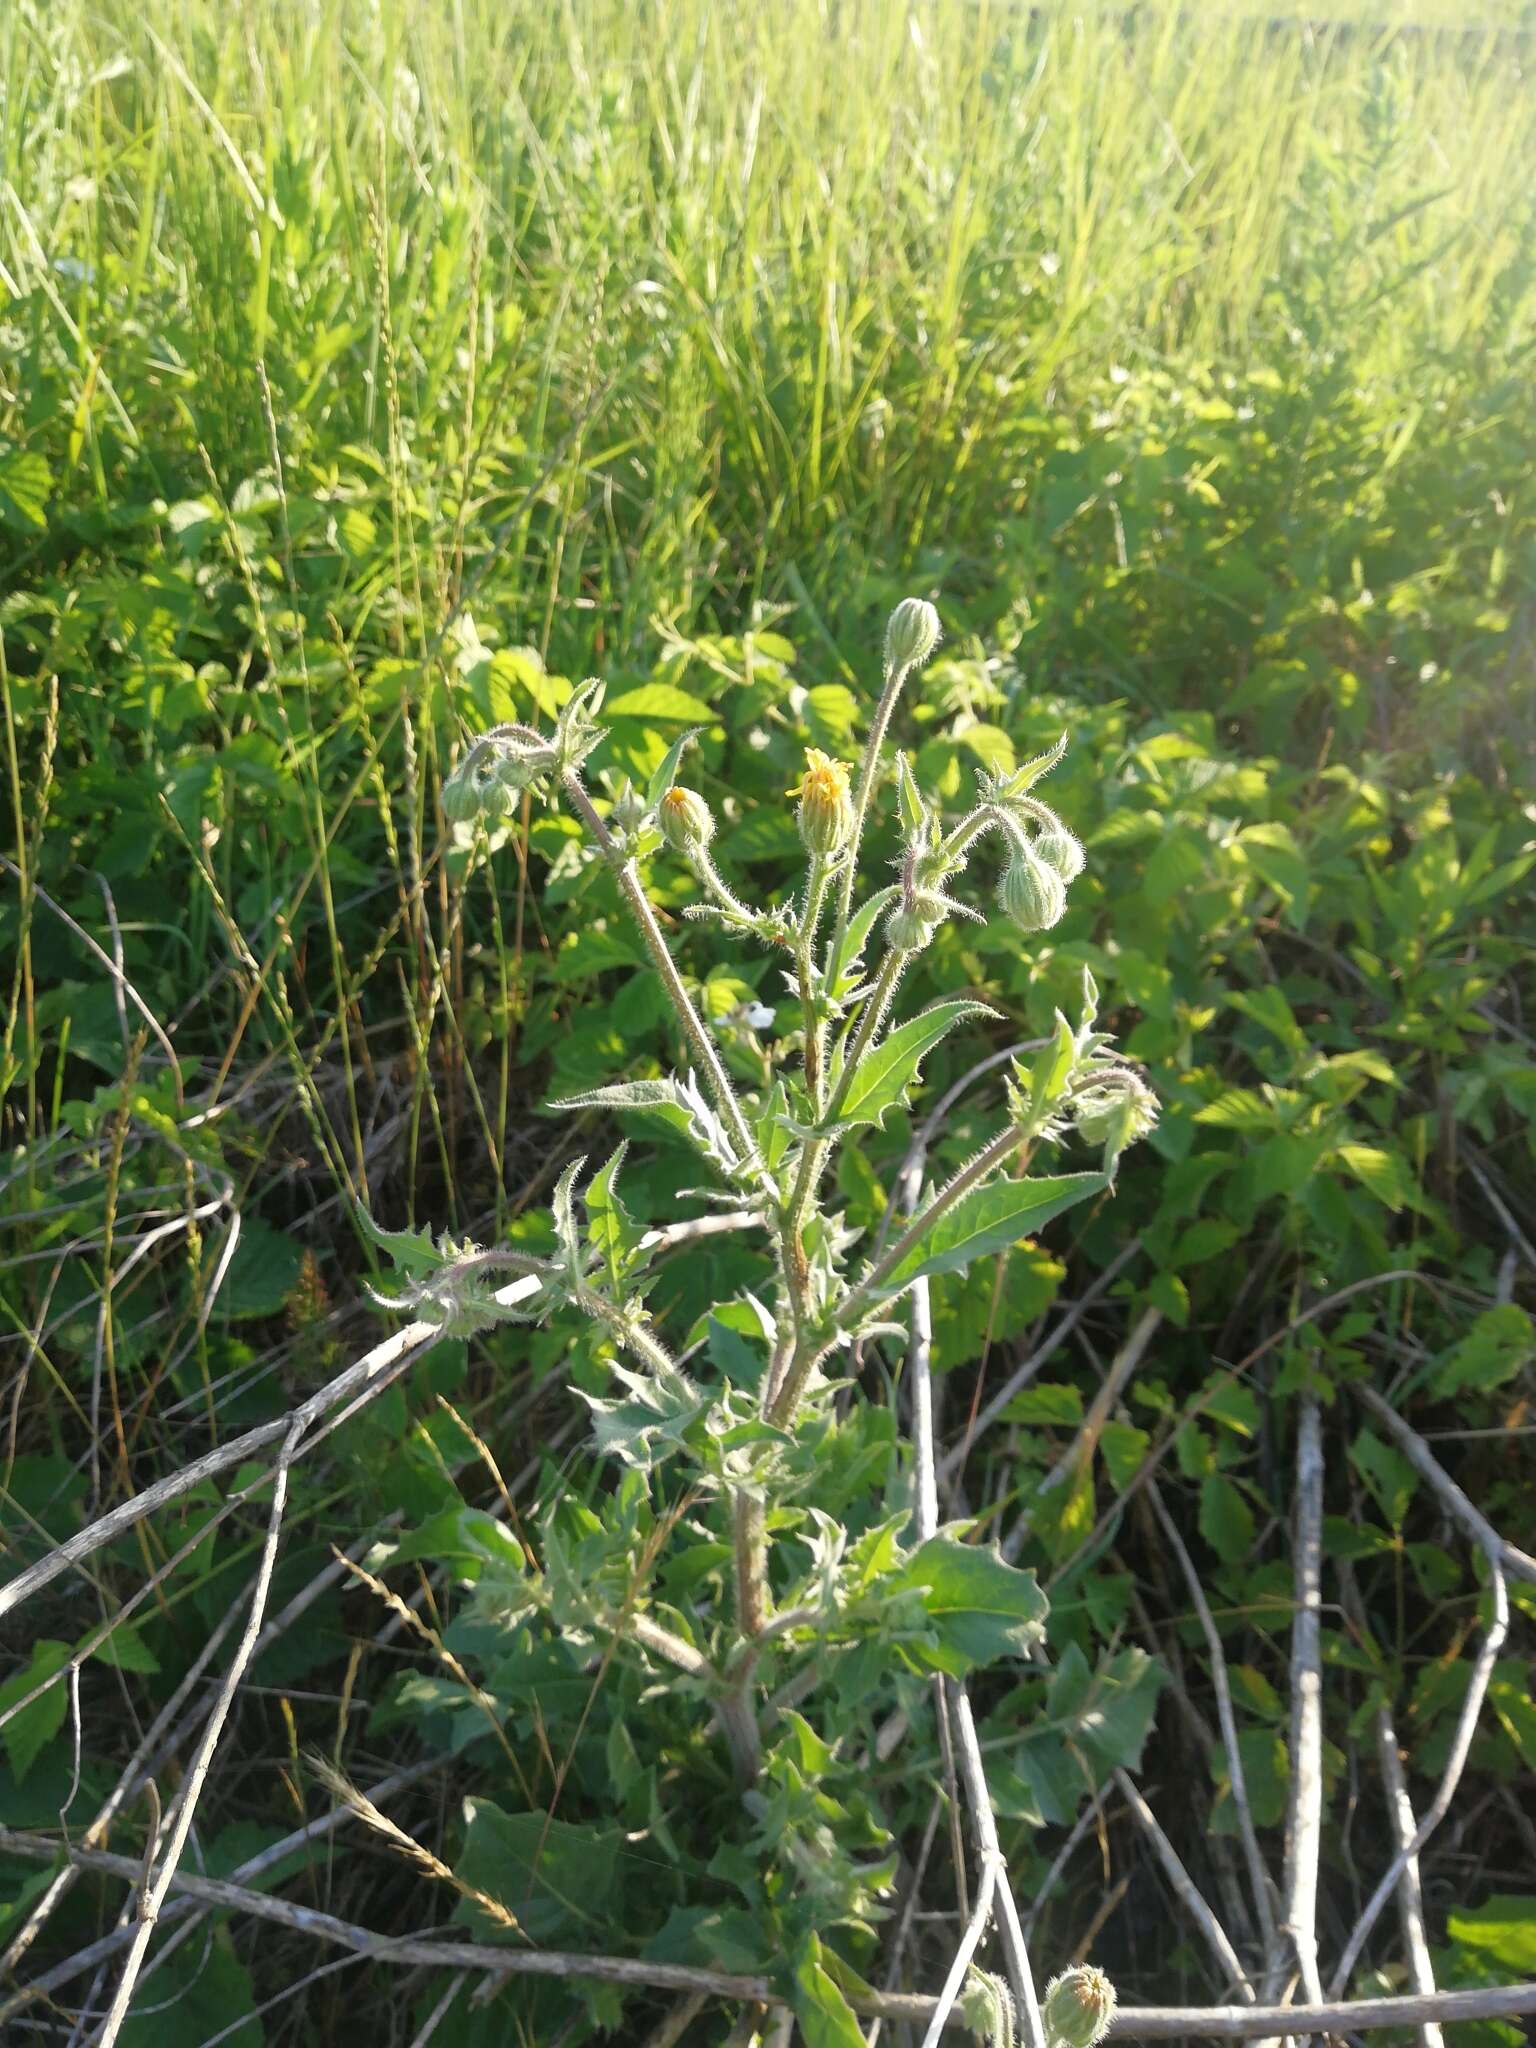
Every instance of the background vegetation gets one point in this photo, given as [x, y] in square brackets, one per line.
[369, 372]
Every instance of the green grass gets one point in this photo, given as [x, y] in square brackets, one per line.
[366, 372]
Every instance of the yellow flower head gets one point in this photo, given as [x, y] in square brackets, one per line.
[826, 803]
[685, 819]
[824, 778]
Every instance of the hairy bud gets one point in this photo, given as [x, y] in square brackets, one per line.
[519, 767]
[1061, 850]
[908, 931]
[1032, 895]
[1113, 1109]
[685, 821]
[911, 633]
[1078, 2007]
[461, 799]
[825, 816]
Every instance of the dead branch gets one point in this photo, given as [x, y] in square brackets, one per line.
[1429, 1468]
[1131, 2023]
[1304, 1825]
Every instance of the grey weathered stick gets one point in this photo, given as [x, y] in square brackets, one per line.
[1304, 1829]
[1410, 1897]
[1131, 2023]
[185, 1907]
[1061, 1859]
[1189, 1893]
[162, 1868]
[1429, 1468]
[1022, 1374]
[1100, 1409]
[1461, 1743]
[1258, 1875]
[954, 1983]
[122, 1792]
[363, 1378]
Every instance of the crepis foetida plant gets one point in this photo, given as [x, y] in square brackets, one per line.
[746, 1434]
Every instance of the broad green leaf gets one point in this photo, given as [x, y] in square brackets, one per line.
[684, 1109]
[988, 1219]
[467, 1540]
[1381, 1174]
[826, 2018]
[611, 1233]
[266, 1268]
[25, 484]
[207, 1995]
[1109, 1711]
[127, 1649]
[554, 1877]
[1503, 1929]
[1046, 1407]
[882, 1078]
[1226, 1520]
[981, 1607]
[856, 937]
[1499, 1344]
[411, 1252]
[663, 703]
[1387, 1473]
[29, 1732]
[652, 1421]
[1123, 1448]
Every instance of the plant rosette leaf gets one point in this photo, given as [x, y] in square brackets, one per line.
[979, 1607]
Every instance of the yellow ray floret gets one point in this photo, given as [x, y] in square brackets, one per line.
[824, 779]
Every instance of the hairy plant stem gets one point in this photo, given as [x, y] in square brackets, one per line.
[715, 883]
[626, 1330]
[983, 819]
[991, 1155]
[875, 1010]
[750, 1531]
[650, 931]
[894, 678]
[805, 969]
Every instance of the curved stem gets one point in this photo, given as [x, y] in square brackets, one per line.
[990, 1156]
[702, 863]
[650, 931]
[805, 943]
[894, 678]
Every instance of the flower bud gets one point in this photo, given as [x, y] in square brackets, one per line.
[907, 931]
[685, 820]
[911, 633]
[1061, 850]
[1078, 2007]
[495, 799]
[519, 767]
[1114, 1109]
[1032, 895]
[461, 798]
[825, 816]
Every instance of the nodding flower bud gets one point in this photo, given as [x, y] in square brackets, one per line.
[461, 798]
[908, 931]
[825, 816]
[686, 822]
[1114, 1108]
[1032, 895]
[911, 633]
[495, 798]
[1077, 2008]
[1061, 850]
[518, 768]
